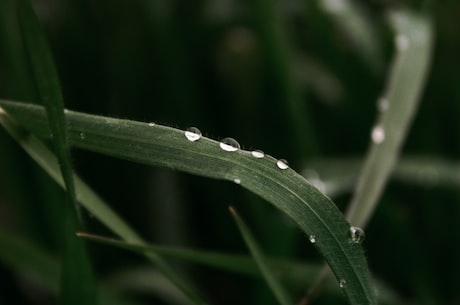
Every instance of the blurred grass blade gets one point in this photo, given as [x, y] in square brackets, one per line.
[78, 284]
[168, 147]
[414, 40]
[30, 261]
[85, 195]
[352, 20]
[277, 289]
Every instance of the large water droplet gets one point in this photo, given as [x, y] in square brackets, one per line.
[258, 154]
[342, 283]
[193, 134]
[151, 124]
[229, 144]
[282, 164]
[402, 42]
[378, 134]
[357, 235]
[312, 238]
[82, 136]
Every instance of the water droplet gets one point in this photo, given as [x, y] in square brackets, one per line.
[229, 144]
[82, 136]
[382, 104]
[282, 164]
[342, 283]
[258, 154]
[312, 238]
[151, 124]
[378, 134]
[237, 180]
[357, 235]
[402, 42]
[193, 134]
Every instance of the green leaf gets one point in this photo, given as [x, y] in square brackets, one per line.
[259, 257]
[78, 284]
[164, 146]
[409, 70]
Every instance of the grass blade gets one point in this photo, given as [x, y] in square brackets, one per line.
[168, 147]
[414, 39]
[91, 201]
[278, 290]
[78, 284]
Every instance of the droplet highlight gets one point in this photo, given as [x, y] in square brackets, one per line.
[312, 238]
[193, 134]
[357, 235]
[282, 164]
[152, 124]
[342, 283]
[258, 154]
[229, 144]
[82, 136]
[378, 134]
[237, 180]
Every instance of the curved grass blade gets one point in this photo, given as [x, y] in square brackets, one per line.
[78, 284]
[90, 200]
[277, 289]
[414, 40]
[168, 147]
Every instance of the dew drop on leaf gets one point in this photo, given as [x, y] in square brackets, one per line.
[258, 154]
[237, 180]
[357, 235]
[282, 164]
[342, 283]
[151, 124]
[378, 134]
[229, 144]
[193, 134]
[312, 238]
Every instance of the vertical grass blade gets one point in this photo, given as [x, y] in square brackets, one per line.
[277, 289]
[77, 280]
[409, 69]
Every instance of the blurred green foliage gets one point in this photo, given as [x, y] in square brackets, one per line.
[290, 77]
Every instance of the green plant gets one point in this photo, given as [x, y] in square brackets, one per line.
[263, 68]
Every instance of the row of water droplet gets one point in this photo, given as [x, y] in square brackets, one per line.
[193, 134]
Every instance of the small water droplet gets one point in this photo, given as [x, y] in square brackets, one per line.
[258, 154]
[382, 104]
[282, 164]
[402, 42]
[193, 134]
[237, 180]
[229, 144]
[342, 283]
[378, 134]
[151, 124]
[312, 238]
[82, 136]
[357, 235]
